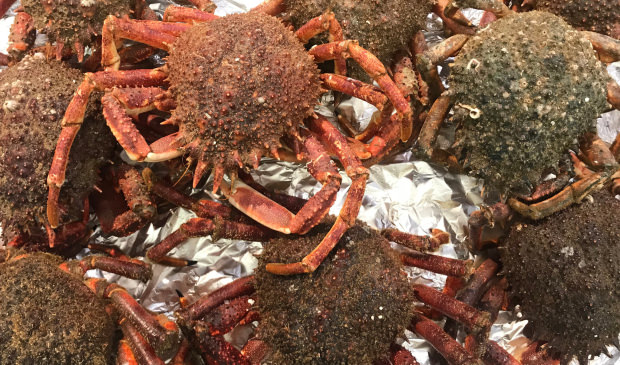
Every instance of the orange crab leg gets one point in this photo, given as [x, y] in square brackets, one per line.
[204, 5]
[315, 26]
[142, 352]
[595, 151]
[376, 70]
[462, 26]
[613, 94]
[573, 193]
[255, 351]
[272, 215]
[183, 354]
[454, 353]
[22, 34]
[432, 124]
[361, 90]
[438, 264]
[187, 15]
[471, 317]
[133, 269]
[199, 227]
[415, 242]
[197, 310]
[153, 33]
[74, 116]
[125, 354]
[163, 336]
[608, 48]
[496, 7]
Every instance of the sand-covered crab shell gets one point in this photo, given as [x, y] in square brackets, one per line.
[526, 88]
[34, 94]
[564, 273]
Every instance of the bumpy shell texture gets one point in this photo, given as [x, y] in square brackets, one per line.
[600, 16]
[241, 83]
[70, 21]
[564, 273]
[381, 26]
[347, 312]
[34, 94]
[537, 86]
[51, 317]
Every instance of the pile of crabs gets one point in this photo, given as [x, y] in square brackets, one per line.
[124, 112]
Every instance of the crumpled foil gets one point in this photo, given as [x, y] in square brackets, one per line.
[403, 193]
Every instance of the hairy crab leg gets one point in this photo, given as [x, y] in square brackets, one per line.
[324, 22]
[438, 264]
[613, 94]
[608, 48]
[187, 15]
[329, 135]
[433, 122]
[199, 227]
[74, 116]
[451, 350]
[361, 90]
[375, 69]
[133, 268]
[22, 35]
[272, 215]
[142, 352]
[153, 33]
[163, 336]
[415, 242]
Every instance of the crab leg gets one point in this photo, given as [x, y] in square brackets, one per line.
[22, 35]
[142, 352]
[427, 62]
[471, 317]
[438, 264]
[415, 242]
[358, 173]
[433, 122]
[595, 152]
[613, 94]
[486, 216]
[608, 48]
[203, 208]
[376, 70]
[206, 6]
[5, 5]
[457, 23]
[573, 193]
[164, 337]
[369, 93]
[74, 116]
[187, 15]
[197, 310]
[272, 215]
[199, 227]
[133, 269]
[315, 26]
[153, 33]
[454, 353]
[125, 355]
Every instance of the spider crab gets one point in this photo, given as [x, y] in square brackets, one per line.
[52, 315]
[304, 319]
[65, 22]
[237, 86]
[522, 105]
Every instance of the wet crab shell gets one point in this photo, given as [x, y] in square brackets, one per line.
[526, 88]
[564, 273]
[601, 16]
[34, 95]
[71, 21]
[382, 27]
[50, 316]
[348, 311]
[241, 83]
